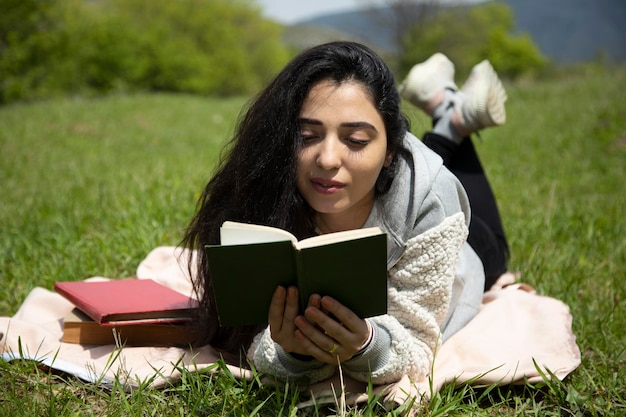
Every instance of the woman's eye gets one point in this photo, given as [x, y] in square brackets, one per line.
[308, 138]
[357, 142]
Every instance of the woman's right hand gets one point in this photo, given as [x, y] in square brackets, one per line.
[281, 317]
[328, 331]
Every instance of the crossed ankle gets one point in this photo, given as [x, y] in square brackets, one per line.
[459, 125]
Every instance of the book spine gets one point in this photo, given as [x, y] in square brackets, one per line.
[303, 295]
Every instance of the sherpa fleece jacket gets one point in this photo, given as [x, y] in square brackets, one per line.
[435, 280]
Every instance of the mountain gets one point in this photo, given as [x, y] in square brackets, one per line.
[566, 31]
[574, 30]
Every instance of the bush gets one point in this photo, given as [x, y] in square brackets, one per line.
[192, 46]
[513, 56]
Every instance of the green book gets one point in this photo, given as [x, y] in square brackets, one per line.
[253, 260]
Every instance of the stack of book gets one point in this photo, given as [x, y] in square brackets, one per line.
[248, 265]
[128, 312]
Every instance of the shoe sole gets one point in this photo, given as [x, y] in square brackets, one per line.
[486, 97]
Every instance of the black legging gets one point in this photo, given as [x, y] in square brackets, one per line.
[486, 234]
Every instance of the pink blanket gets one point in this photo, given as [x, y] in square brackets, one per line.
[516, 336]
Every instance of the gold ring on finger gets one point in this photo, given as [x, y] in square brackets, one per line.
[334, 348]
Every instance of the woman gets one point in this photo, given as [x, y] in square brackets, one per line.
[325, 148]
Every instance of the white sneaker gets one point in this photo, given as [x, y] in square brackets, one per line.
[481, 99]
[426, 79]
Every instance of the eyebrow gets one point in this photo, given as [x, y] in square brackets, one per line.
[360, 125]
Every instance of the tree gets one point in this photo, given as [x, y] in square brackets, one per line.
[403, 16]
[20, 18]
[23, 41]
[469, 35]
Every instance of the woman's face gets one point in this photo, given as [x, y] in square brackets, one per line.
[344, 148]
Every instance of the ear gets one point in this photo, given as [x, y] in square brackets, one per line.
[388, 159]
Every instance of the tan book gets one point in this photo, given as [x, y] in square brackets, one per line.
[81, 329]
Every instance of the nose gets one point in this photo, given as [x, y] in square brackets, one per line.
[329, 153]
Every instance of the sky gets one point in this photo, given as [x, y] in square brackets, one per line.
[291, 11]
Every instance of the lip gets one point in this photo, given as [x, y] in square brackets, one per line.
[326, 186]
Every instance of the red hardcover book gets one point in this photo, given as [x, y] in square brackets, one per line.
[129, 301]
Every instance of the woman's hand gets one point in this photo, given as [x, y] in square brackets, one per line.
[281, 317]
[328, 331]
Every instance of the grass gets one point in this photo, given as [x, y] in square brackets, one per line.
[89, 186]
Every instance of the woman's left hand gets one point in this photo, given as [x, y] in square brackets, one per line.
[329, 331]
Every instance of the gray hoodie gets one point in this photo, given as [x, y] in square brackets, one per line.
[422, 194]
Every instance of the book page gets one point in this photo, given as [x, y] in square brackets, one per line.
[338, 237]
[234, 233]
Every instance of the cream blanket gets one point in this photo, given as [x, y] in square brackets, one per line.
[516, 337]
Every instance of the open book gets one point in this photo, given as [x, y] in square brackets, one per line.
[253, 260]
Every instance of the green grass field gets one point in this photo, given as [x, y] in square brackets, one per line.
[90, 186]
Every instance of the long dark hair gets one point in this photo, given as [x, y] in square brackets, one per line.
[255, 182]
